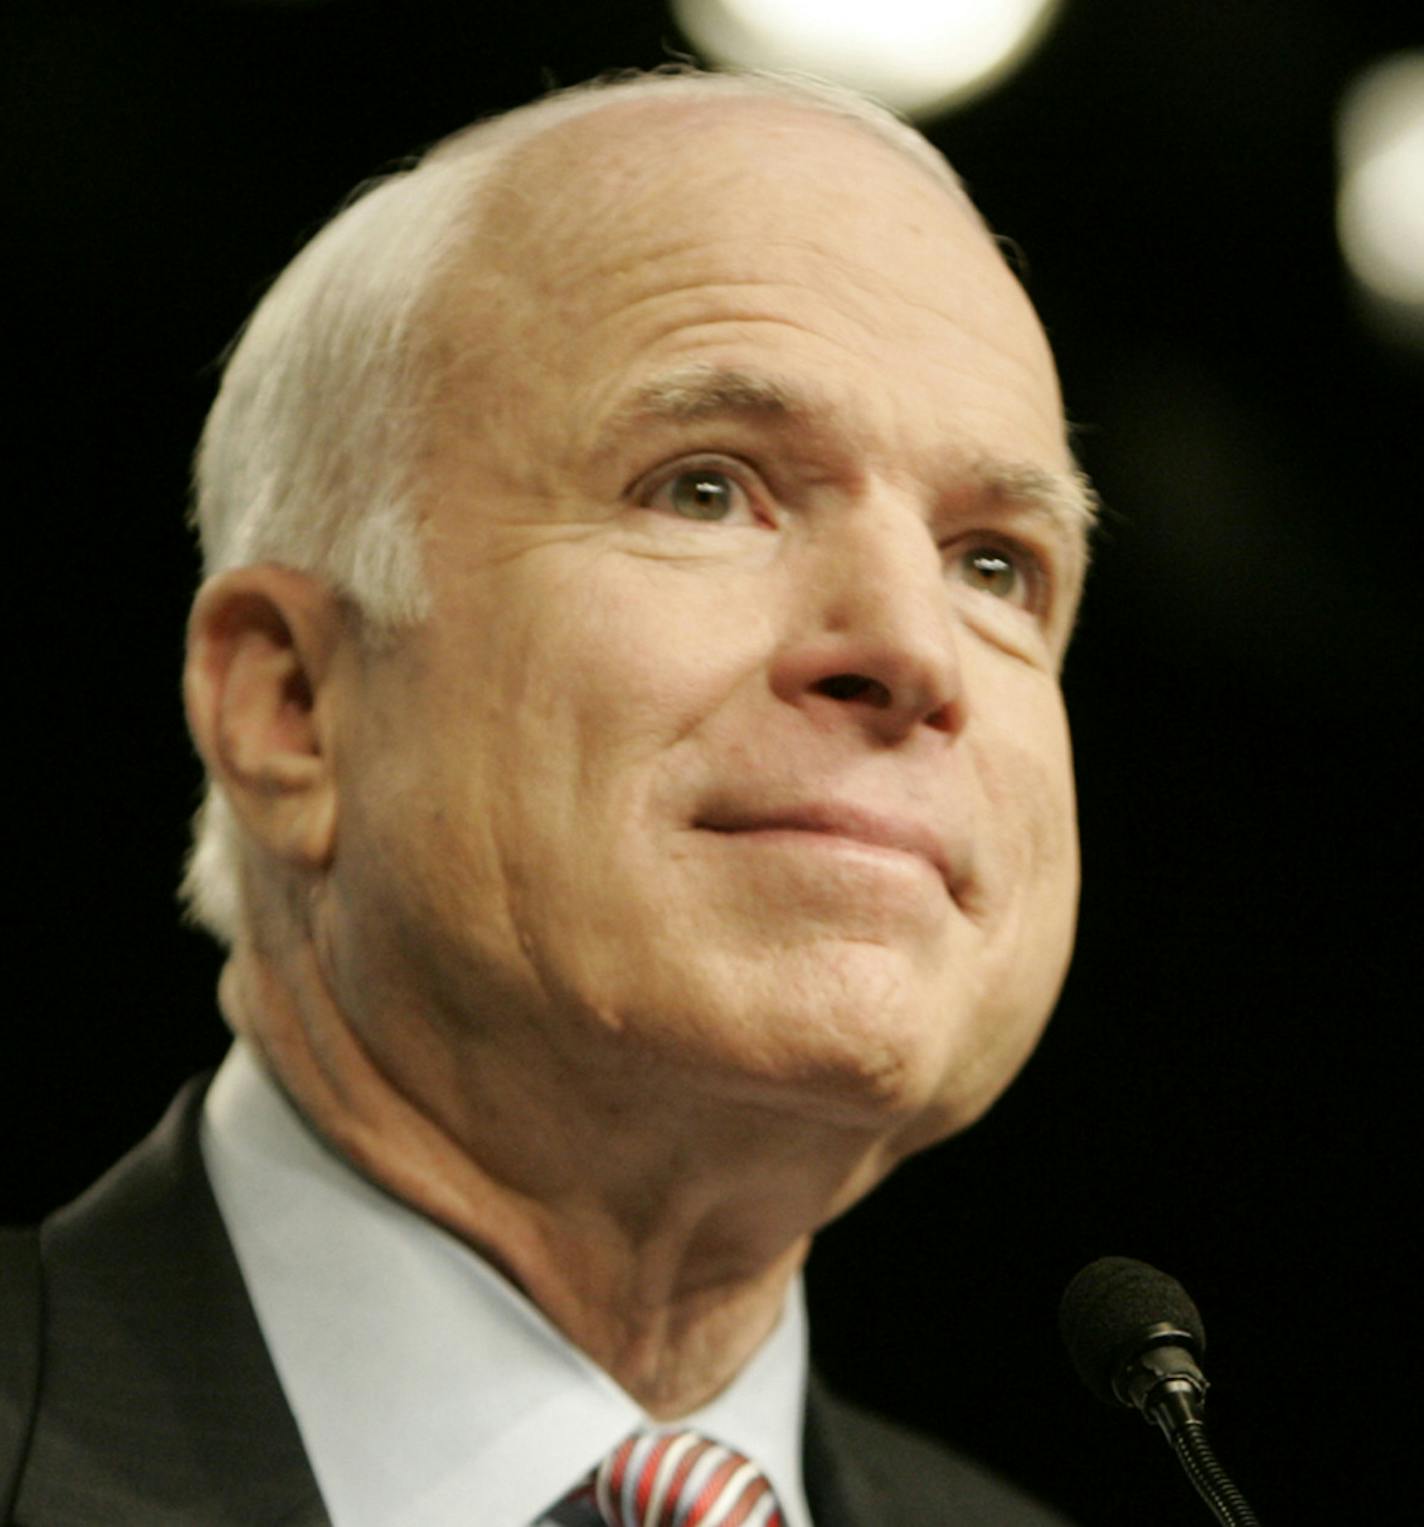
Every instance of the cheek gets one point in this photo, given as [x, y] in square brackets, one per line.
[1030, 894]
[586, 752]
[639, 657]
[1024, 764]
[1030, 888]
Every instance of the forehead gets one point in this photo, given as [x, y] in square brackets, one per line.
[648, 234]
[747, 183]
[674, 152]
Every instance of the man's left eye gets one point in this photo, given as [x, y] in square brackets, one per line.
[1005, 574]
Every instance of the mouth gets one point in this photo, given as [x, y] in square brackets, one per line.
[849, 824]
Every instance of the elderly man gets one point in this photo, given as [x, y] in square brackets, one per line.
[642, 544]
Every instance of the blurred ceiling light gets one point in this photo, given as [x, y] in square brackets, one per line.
[1380, 208]
[919, 56]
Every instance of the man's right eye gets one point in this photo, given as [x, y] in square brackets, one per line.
[702, 495]
[701, 491]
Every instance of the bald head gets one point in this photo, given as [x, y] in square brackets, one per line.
[600, 188]
[487, 263]
[585, 179]
[732, 499]
[598, 242]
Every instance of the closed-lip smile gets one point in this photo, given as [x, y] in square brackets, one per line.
[835, 820]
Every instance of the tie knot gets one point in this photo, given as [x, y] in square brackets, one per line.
[681, 1479]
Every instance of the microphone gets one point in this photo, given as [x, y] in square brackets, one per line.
[1136, 1339]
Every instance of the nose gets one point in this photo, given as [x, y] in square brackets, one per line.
[873, 641]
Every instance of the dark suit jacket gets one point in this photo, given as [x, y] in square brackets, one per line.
[157, 1403]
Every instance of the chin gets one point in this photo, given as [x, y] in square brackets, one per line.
[916, 1064]
[852, 1040]
[956, 1107]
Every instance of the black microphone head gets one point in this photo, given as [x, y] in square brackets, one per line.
[1110, 1310]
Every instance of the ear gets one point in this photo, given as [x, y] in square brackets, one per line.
[259, 688]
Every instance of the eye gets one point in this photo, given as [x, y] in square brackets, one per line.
[701, 495]
[1006, 574]
[700, 491]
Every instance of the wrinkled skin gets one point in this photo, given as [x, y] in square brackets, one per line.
[605, 676]
[712, 845]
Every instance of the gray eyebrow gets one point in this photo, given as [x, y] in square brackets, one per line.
[700, 392]
[695, 392]
[1066, 498]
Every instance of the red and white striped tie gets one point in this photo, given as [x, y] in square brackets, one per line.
[680, 1479]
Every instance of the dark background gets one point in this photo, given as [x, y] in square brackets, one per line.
[1229, 1089]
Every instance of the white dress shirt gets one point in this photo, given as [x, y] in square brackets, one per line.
[428, 1392]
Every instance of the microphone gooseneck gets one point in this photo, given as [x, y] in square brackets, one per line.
[1136, 1339]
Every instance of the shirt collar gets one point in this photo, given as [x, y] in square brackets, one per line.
[428, 1390]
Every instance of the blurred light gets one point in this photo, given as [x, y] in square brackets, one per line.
[1380, 209]
[918, 56]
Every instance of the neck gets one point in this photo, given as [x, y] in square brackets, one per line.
[660, 1236]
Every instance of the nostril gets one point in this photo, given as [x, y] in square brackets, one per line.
[854, 686]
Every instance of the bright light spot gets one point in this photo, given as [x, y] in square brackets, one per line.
[1380, 211]
[916, 55]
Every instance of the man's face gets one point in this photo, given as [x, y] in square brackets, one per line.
[734, 749]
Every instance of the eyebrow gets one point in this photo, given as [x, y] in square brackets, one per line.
[1068, 499]
[689, 394]
[701, 392]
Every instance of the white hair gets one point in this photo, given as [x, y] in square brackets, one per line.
[308, 458]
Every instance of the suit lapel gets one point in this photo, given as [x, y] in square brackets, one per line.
[839, 1491]
[160, 1402]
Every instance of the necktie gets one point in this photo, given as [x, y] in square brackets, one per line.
[677, 1479]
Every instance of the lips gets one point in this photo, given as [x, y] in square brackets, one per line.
[835, 820]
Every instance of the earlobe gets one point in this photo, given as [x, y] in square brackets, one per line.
[257, 686]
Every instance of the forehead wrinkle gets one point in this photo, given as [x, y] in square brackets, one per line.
[694, 285]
